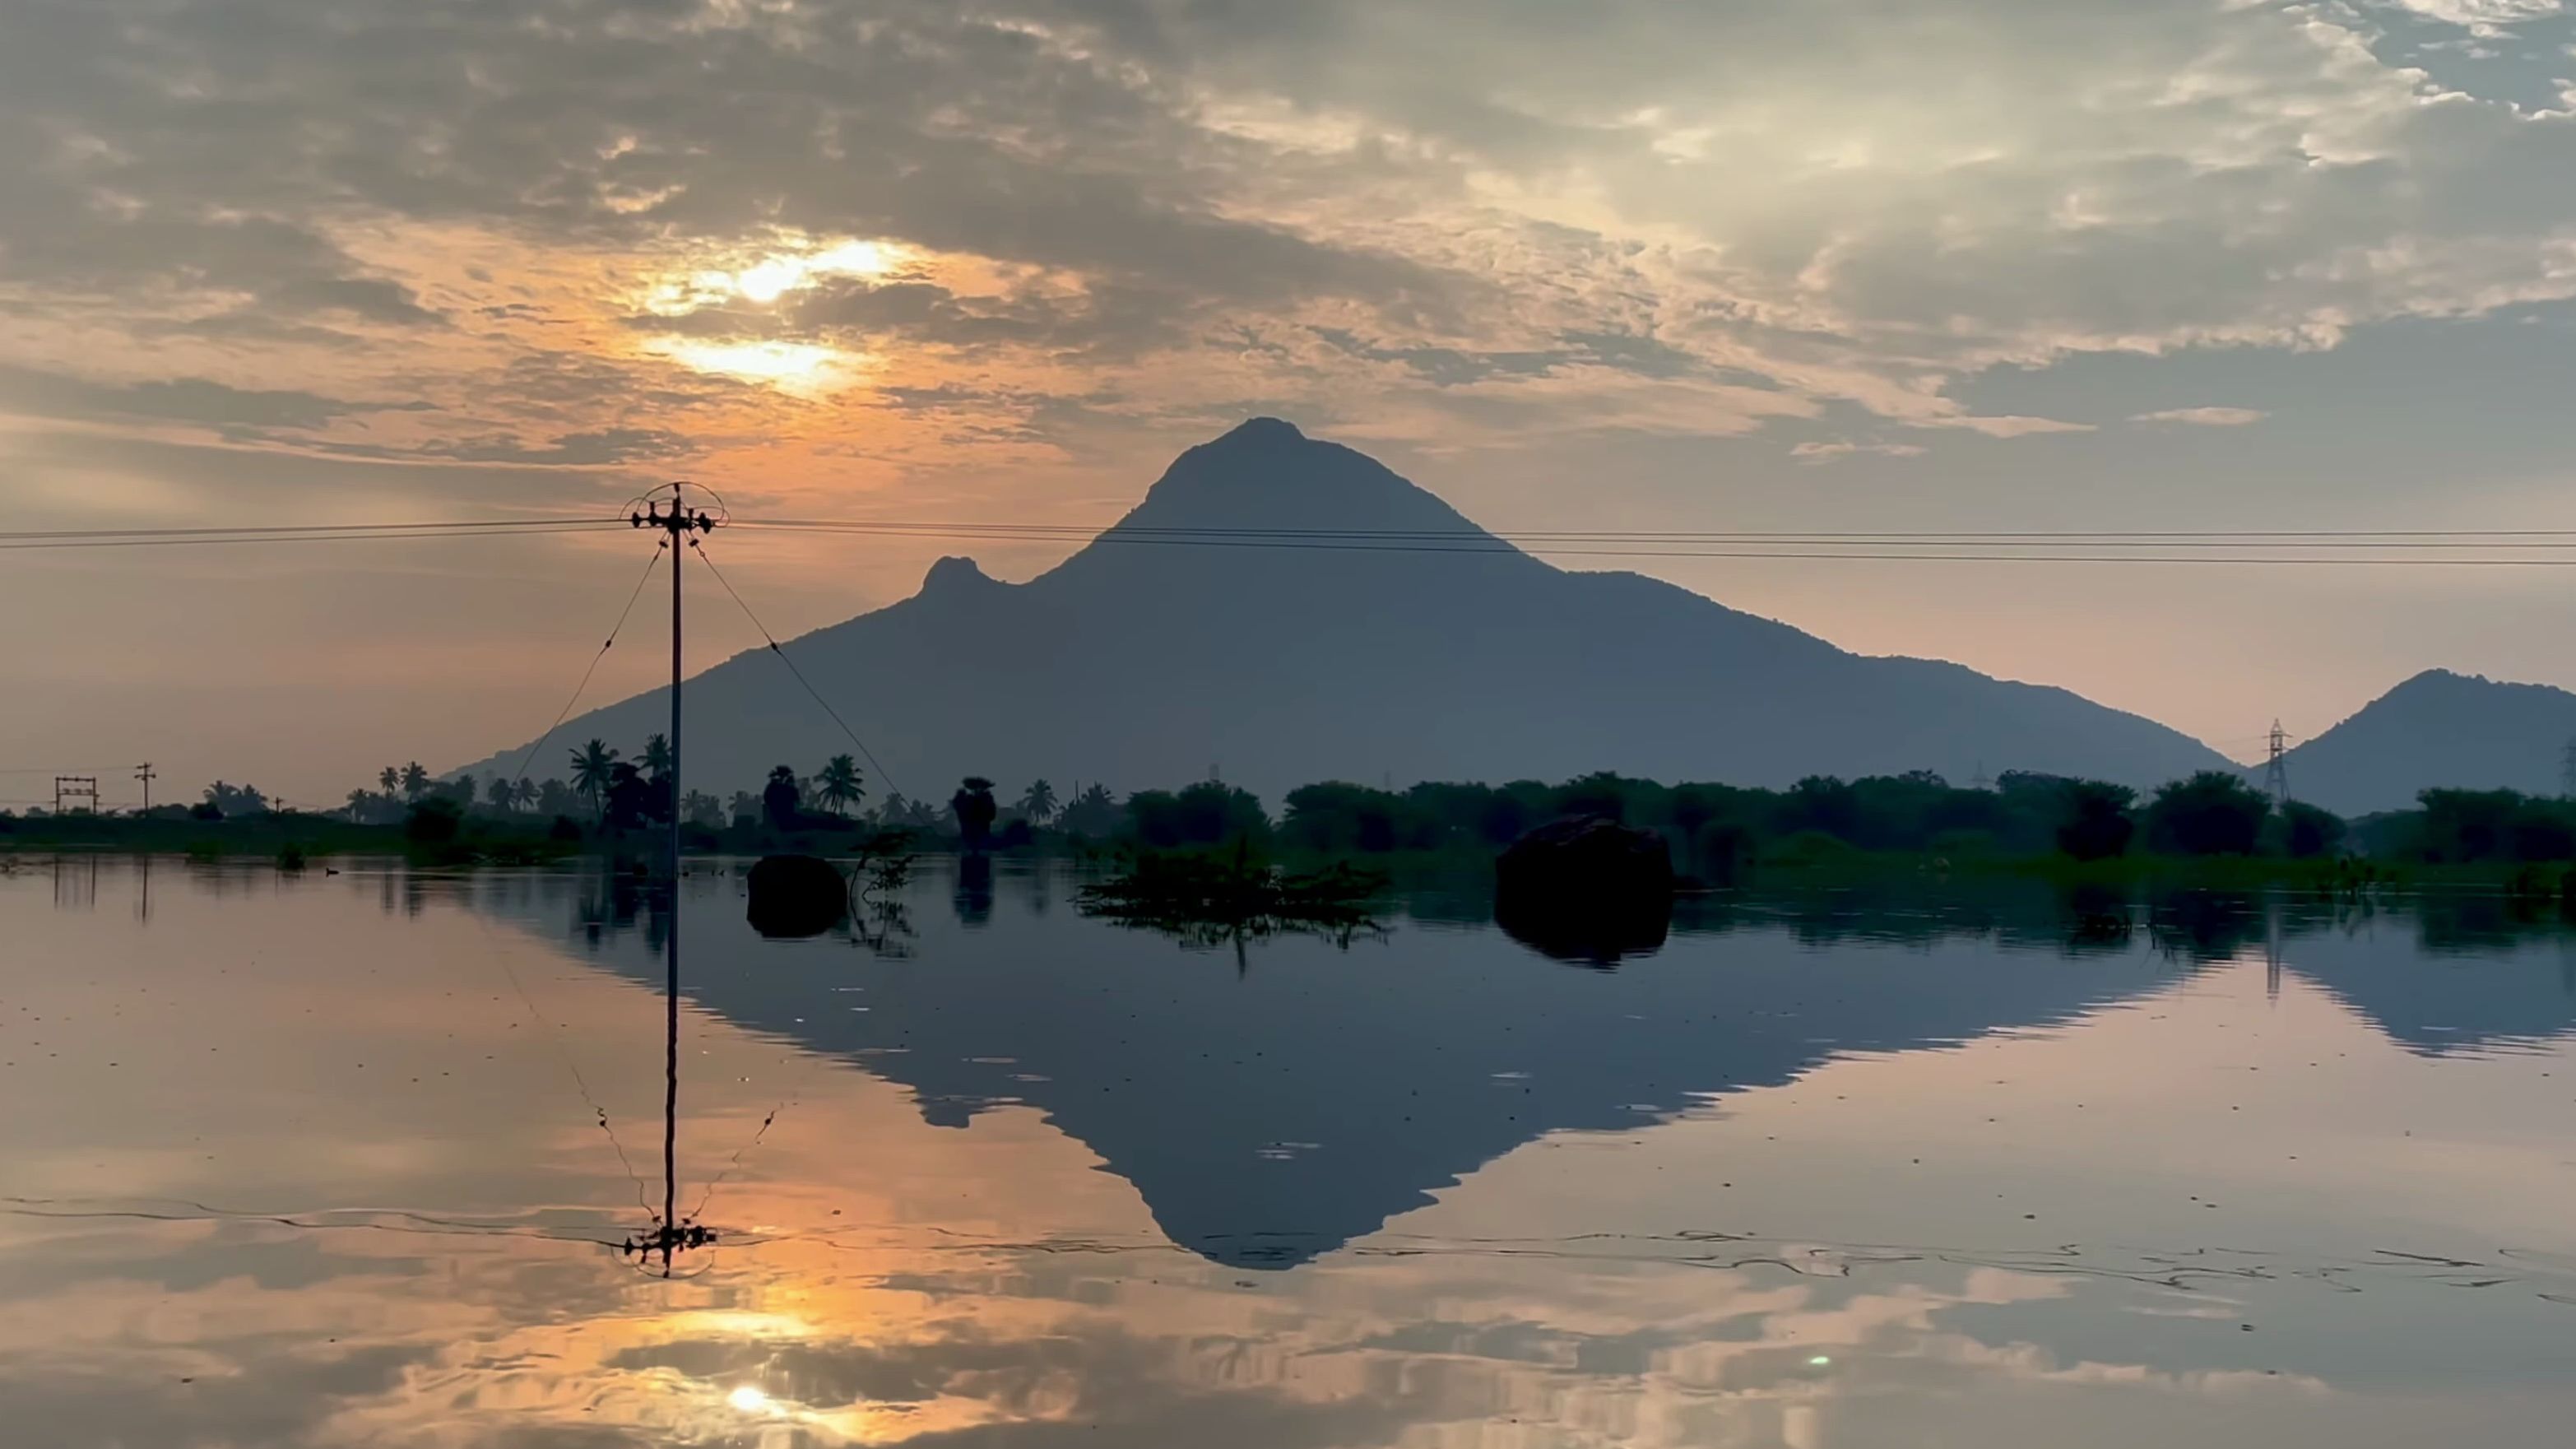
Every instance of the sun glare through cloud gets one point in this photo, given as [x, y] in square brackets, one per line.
[776, 362]
[763, 275]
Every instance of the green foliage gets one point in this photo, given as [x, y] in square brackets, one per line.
[2468, 827]
[2212, 813]
[841, 784]
[1093, 814]
[1207, 813]
[593, 770]
[2094, 823]
[434, 821]
[2309, 831]
[232, 801]
[1038, 802]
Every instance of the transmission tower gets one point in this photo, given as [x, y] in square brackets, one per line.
[1981, 782]
[2276, 768]
[74, 788]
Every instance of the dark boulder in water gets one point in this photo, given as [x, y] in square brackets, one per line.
[1586, 858]
[1586, 889]
[797, 896]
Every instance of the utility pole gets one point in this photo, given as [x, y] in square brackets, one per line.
[144, 773]
[2276, 767]
[677, 526]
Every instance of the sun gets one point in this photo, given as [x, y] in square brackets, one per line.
[748, 1400]
[781, 272]
[775, 362]
[762, 273]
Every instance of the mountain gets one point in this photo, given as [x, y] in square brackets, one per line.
[1194, 636]
[2437, 729]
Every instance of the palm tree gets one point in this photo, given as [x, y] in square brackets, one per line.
[390, 778]
[1038, 803]
[841, 784]
[657, 756]
[415, 781]
[590, 770]
[503, 795]
[781, 798]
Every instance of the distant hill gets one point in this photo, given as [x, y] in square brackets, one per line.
[1202, 631]
[2437, 729]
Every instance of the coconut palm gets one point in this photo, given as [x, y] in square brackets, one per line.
[1038, 802]
[841, 785]
[415, 781]
[782, 799]
[390, 778]
[657, 756]
[591, 766]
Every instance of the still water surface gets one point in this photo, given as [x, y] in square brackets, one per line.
[348, 1160]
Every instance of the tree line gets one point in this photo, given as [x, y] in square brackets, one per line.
[1713, 827]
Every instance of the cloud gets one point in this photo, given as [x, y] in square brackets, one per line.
[1827, 452]
[2204, 417]
[1429, 219]
[2483, 16]
[178, 400]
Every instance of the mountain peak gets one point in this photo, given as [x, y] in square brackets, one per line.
[954, 573]
[1261, 432]
[1266, 474]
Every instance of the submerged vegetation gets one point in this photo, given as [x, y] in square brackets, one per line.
[1211, 898]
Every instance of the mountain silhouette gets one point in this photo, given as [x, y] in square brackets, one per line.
[2437, 729]
[1229, 621]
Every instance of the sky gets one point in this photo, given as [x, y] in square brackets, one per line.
[1639, 264]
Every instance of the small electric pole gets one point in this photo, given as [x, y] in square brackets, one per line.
[678, 524]
[2276, 768]
[144, 773]
[75, 788]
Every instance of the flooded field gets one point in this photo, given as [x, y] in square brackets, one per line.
[379, 1157]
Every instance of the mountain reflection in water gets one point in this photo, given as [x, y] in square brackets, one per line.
[344, 1160]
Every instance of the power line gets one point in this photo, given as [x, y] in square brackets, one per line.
[1731, 535]
[2457, 547]
[312, 528]
[772, 640]
[14, 545]
[614, 630]
[1916, 550]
